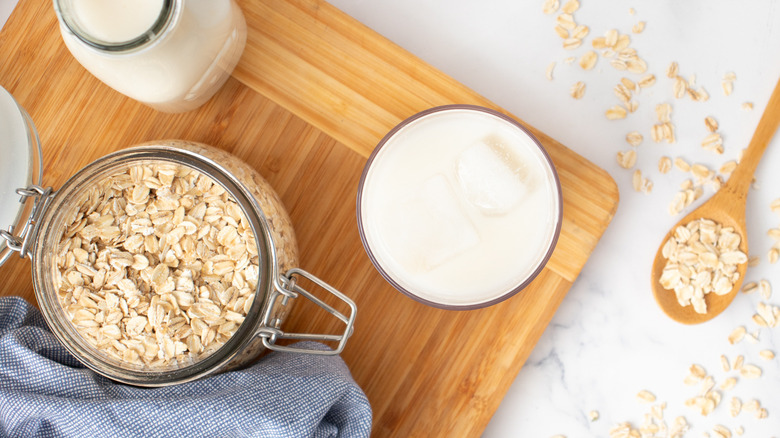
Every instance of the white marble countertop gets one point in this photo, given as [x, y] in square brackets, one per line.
[609, 340]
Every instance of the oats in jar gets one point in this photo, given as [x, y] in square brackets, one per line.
[158, 266]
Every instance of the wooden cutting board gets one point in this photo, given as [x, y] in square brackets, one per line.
[314, 92]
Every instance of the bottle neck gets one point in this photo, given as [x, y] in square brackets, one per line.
[84, 20]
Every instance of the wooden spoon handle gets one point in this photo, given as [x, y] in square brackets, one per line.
[743, 175]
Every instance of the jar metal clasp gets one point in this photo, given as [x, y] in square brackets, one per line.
[20, 240]
[286, 287]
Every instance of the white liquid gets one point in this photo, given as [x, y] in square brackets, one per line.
[459, 207]
[116, 21]
[177, 72]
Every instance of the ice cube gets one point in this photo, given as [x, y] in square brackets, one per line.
[491, 177]
[431, 227]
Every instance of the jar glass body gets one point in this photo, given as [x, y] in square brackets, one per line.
[175, 66]
[21, 166]
[274, 238]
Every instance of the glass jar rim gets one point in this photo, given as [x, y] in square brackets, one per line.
[49, 232]
[169, 13]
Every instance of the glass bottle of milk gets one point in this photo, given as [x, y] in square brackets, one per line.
[172, 55]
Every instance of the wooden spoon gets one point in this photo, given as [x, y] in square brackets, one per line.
[726, 207]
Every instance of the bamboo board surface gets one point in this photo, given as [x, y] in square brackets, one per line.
[312, 95]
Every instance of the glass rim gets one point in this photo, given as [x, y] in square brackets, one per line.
[168, 15]
[542, 262]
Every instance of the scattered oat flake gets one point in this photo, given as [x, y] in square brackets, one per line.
[549, 72]
[681, 164]
[561, 31]
[728, 167]
[663, 111]
[646, 81]
[550, 6]
[766, 289]
[611, 37]
[566, 21]
[767, 354]
[700, 171]
[634, 138]
[599, 43]
[664, 165]
[588, 60]
[724, 363]
[626, 159]
[713, 142]
[721, 431]
[637, 65]
[580, 32]
[711, 123]
[752, 406]
[618, 64]
[738, 362]
[593, 415]
[645, 396]
[775, 205]
[558, 436]
[728, 87]
[570, 7]
[750, 371]
[737, 335]
[699, 95]
[680, 85]
[747, 106]
[577, 90]
[622, 430]
[735, 406]
[773, 255]
[636, 180]
[749, 287]
[729, 383]
[671, 71]
[571, 43]
[639, 27]
[622, 92]
[616, 112]
[647, 186]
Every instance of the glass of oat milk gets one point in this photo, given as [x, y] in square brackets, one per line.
[459, 207]
[172, 55]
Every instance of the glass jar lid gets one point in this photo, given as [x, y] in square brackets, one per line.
[20, 167]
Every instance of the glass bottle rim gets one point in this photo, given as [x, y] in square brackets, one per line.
[168, 16]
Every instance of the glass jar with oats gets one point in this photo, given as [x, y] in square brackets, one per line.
[169, 261]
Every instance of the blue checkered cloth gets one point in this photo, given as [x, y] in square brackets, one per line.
[46, 392]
